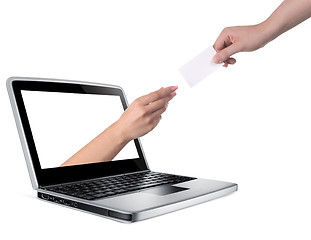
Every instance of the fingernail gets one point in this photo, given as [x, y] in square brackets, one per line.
[216, 59]
[173, 94]
[174, 88]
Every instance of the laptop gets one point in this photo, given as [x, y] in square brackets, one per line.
[55, 118]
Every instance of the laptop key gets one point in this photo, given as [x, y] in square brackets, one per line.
[100, 195]
[87, 197]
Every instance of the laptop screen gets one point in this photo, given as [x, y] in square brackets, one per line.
[57, 118]
[63, 123]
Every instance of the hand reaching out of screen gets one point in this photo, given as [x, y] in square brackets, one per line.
[142, 116]
[144, 113]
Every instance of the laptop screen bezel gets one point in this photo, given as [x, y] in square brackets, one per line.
[52, 176]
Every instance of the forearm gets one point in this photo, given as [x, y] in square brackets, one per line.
[289, 14]
[140, 117]
[102, 148]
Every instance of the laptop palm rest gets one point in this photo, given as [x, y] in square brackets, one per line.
[165, 190]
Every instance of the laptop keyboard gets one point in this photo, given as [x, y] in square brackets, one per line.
[107, 187]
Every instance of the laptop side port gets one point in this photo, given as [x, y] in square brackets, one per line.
[45, 196]
[124, 217]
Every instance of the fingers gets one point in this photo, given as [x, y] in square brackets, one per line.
[154, 109]
[144, 114]
[158, 112]
[224, 54]
[156, 117]
[156, 122]
[221, 40]
[163, 102]
[229, 61]
[225, 46]
[161, 93]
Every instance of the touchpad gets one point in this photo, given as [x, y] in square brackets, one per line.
[164, 190]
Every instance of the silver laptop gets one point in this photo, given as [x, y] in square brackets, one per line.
[55, 118]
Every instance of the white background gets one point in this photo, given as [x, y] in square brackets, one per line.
[248, 124]
[63, 123]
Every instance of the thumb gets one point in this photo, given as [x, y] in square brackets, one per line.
[225, 53]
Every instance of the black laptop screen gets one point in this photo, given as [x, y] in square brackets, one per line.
[59, 119]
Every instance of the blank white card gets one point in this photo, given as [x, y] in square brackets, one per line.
[199, 67]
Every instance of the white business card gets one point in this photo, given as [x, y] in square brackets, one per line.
[199, 67]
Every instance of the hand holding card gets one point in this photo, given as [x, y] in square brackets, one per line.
[199, 67]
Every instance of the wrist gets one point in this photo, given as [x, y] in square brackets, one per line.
[121, 135]
[266, 30]
[272, 27]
